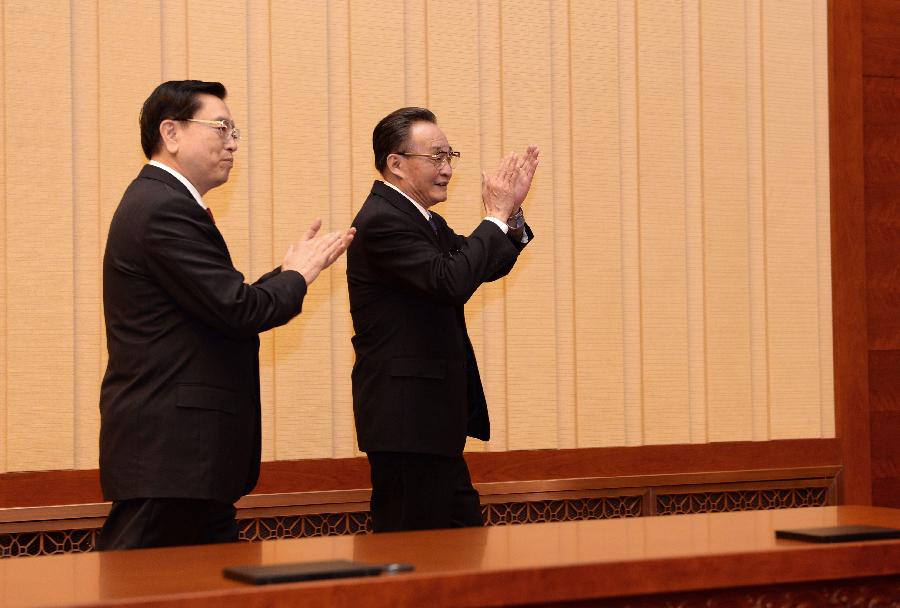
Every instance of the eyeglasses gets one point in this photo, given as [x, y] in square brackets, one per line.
[225, 128]
[439, 158]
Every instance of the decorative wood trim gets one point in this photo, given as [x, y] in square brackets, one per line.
[692, 462]
[302, 521]
[339, 501]
[881, 591]
[848, 249]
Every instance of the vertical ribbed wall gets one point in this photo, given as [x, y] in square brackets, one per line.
[678, 290]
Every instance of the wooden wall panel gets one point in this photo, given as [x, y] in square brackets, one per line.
[451, 53]
[756, 219]
[882, 166]
[884, 387]
[322, 475]
[823, 219]
[527, 119]
[597, 136]
[693, 220]
[344, 203]
[564, 227]
[629, 240]
[257, 152]
[4, 343]
[661, 186]
[39, 216]
[174, 42]
[90, 337]
[303, 377]
[726, 214]
[123, 87]
[640, 314]
[791, 228]
[492, 297]
[848, 248]
[217, 50]
[881, 23]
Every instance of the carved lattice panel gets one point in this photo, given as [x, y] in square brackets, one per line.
[574, 509]
[865, 593]
[304, 526]
[740, 500]
[47, 543]
[568, 509]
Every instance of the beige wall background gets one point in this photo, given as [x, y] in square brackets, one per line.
[678, 290]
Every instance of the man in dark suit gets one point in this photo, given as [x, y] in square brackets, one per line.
[179, 404]
[416, 388]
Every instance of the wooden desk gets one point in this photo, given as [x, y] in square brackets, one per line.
[585, 563]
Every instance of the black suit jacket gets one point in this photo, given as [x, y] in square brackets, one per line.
[179, 402]
[416, 386]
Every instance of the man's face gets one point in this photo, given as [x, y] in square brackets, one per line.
[205, 154]
[423, 180]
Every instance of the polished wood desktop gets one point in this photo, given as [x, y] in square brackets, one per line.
[571, 563]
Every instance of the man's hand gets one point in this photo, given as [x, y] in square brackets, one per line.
[503, 190]
[315, 252]
[528, 163]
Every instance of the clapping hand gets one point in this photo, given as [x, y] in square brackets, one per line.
[504, 189]
[315, 252]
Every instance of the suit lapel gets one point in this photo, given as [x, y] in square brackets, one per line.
[400, 202]
[160, 175]
[443, 232]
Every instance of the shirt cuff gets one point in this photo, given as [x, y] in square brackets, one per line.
[500, 224]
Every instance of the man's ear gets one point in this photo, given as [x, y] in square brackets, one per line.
[168, 132]
[394, 166]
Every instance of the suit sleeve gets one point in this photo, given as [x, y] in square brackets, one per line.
[504, 270]
[184, 257]
[406, 257]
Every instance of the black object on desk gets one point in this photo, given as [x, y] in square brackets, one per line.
[839, 534]
[309, 571]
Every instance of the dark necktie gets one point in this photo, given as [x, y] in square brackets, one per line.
[209, 213]
[432, 224]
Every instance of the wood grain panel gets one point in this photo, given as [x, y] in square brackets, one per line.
[882, 167]
[881, 33]
[885, 490]
[884, 380]
[885, 458]
[848, 248]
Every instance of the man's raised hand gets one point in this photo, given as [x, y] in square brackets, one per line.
[315, 252]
